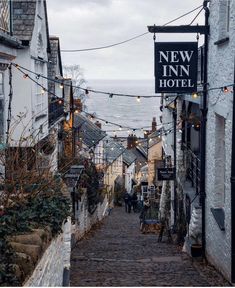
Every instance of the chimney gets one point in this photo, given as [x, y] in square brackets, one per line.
[131, 141]
[154, 124]
[98, 124]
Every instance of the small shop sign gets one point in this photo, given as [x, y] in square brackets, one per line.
[165, 174]
[176, 67]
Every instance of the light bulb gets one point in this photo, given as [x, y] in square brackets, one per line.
[225, 89]
[195, 95]
[138, 99]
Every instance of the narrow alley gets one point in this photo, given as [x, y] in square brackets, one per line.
[117, 254]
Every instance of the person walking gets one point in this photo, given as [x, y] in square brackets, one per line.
[134, 200]
[126, 198]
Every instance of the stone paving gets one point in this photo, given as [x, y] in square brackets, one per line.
[117, 254]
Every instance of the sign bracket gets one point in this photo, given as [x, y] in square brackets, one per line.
[201, 29]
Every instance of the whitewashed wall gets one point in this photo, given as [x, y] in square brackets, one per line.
[220, 73]
[24, 90]
[85, 220]
[129, 175]
[50, 269]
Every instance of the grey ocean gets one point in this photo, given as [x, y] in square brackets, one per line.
[122, 110]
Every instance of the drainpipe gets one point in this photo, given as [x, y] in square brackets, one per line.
[175, 192]
[203, 134]
[233, 191]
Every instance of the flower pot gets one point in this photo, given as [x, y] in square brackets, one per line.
[196, 250]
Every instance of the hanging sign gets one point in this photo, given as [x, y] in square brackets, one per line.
[165, 174]
[176, 67]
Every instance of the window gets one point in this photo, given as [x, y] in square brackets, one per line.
[228, 16]
[4, 15]
[1, 120]
[40, 94]
[224, 19]
[1, 84]
[1, 109]
[219, 196]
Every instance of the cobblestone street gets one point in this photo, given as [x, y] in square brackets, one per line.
[117, 254]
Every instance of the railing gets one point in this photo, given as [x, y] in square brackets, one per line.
[5, 16]
[56, 111]
[192, 166]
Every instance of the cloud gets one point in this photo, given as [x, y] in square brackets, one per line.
[92, 23]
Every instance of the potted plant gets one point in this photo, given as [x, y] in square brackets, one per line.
[196, 246]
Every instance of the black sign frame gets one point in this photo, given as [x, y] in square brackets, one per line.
[164, 174]
[176, 65]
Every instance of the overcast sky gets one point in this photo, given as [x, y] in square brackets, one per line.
[93, 23]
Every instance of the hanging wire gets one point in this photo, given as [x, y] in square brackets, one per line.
[130, 39]
[20, 68]
[109, 93]
[196, 16]
[9, 103]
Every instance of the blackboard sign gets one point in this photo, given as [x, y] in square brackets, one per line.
[176, 67]
[165, 174]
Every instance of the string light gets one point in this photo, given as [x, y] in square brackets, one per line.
[61, 85]
[86, 92]
[225, 89]
[43, 90]
[138, 98]
[135, 37]
[25, 76]
[60, 101]
[119, 94]
[77, 111]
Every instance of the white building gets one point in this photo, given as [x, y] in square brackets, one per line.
[8, 51]
[219, 136]
[129, 169]
[113, 177]
[219, 246]
[30, 101]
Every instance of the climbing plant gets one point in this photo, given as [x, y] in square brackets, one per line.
[49, 208]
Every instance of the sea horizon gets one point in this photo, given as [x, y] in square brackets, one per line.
[124, 111]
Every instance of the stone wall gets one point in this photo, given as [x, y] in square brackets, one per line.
[54, 266]
[85, 220]
[50, 269]
[220, 74]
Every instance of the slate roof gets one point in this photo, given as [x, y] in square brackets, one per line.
[88, 131]
[143, 147]
[23, 18]
[112, 150]
[155, 139]
[141, 158]
[129, 157]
